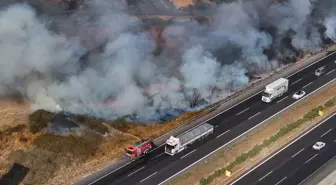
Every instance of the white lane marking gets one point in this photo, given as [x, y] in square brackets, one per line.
[281, 180]
[326, 132]
[148, 177]
[223, 133]
[216, 126]
[158, 156]
[317, 170]
[297, 81]
[297, 153]
[252, 129]
[265, 176]
[136, 171]
[254, 115]
[243, 111]
[335, 141]
[187, 154]
[311, 158]
[331, 71]
[211, 118]
[307, 85]
[281, 149]
[110, 173]
[282, 99]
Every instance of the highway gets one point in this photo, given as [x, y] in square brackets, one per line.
[233, 123]
[158, 168]
[297, 161]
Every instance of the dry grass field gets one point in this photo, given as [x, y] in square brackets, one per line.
[55, 159]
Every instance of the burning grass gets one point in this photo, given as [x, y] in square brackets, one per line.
[55, 159]
[38, 120]
[151, 130]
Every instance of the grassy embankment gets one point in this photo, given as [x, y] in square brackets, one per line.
[49, 156]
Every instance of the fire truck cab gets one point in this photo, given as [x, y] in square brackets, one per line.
[139, 149]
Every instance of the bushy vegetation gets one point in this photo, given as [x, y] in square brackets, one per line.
[330, 103]
[39, 119]
[259, 147]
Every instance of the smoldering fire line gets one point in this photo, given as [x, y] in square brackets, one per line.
[102, 62]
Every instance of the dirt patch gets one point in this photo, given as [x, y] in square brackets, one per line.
[183, 3]
[186, 3]
[224, 157]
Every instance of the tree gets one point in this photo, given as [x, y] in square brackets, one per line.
[193, 97]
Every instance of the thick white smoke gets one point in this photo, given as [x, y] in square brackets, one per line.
[330, 24]
[30, 55]
[76, 62]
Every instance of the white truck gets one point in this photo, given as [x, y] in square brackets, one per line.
[275, 90]
[175, 145]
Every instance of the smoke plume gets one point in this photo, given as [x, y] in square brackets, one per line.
[102, 62]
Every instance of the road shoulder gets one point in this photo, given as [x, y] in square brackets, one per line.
[323, 176]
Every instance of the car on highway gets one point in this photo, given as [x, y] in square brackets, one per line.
[318, 145]
[299, 94]
[320, 71]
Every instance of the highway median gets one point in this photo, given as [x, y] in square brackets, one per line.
[262, 142]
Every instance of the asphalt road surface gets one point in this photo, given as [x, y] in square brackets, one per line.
[158, 167]
[296, 162]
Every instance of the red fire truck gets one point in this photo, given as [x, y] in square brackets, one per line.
[139, 149]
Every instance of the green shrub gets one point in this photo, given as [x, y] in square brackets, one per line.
[230, 167]
[240, 159]
[266, 142]
[255, 150]
[329, 103]
[204, 181]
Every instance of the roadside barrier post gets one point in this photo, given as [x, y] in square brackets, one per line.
[320, 113]
[228, 173]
